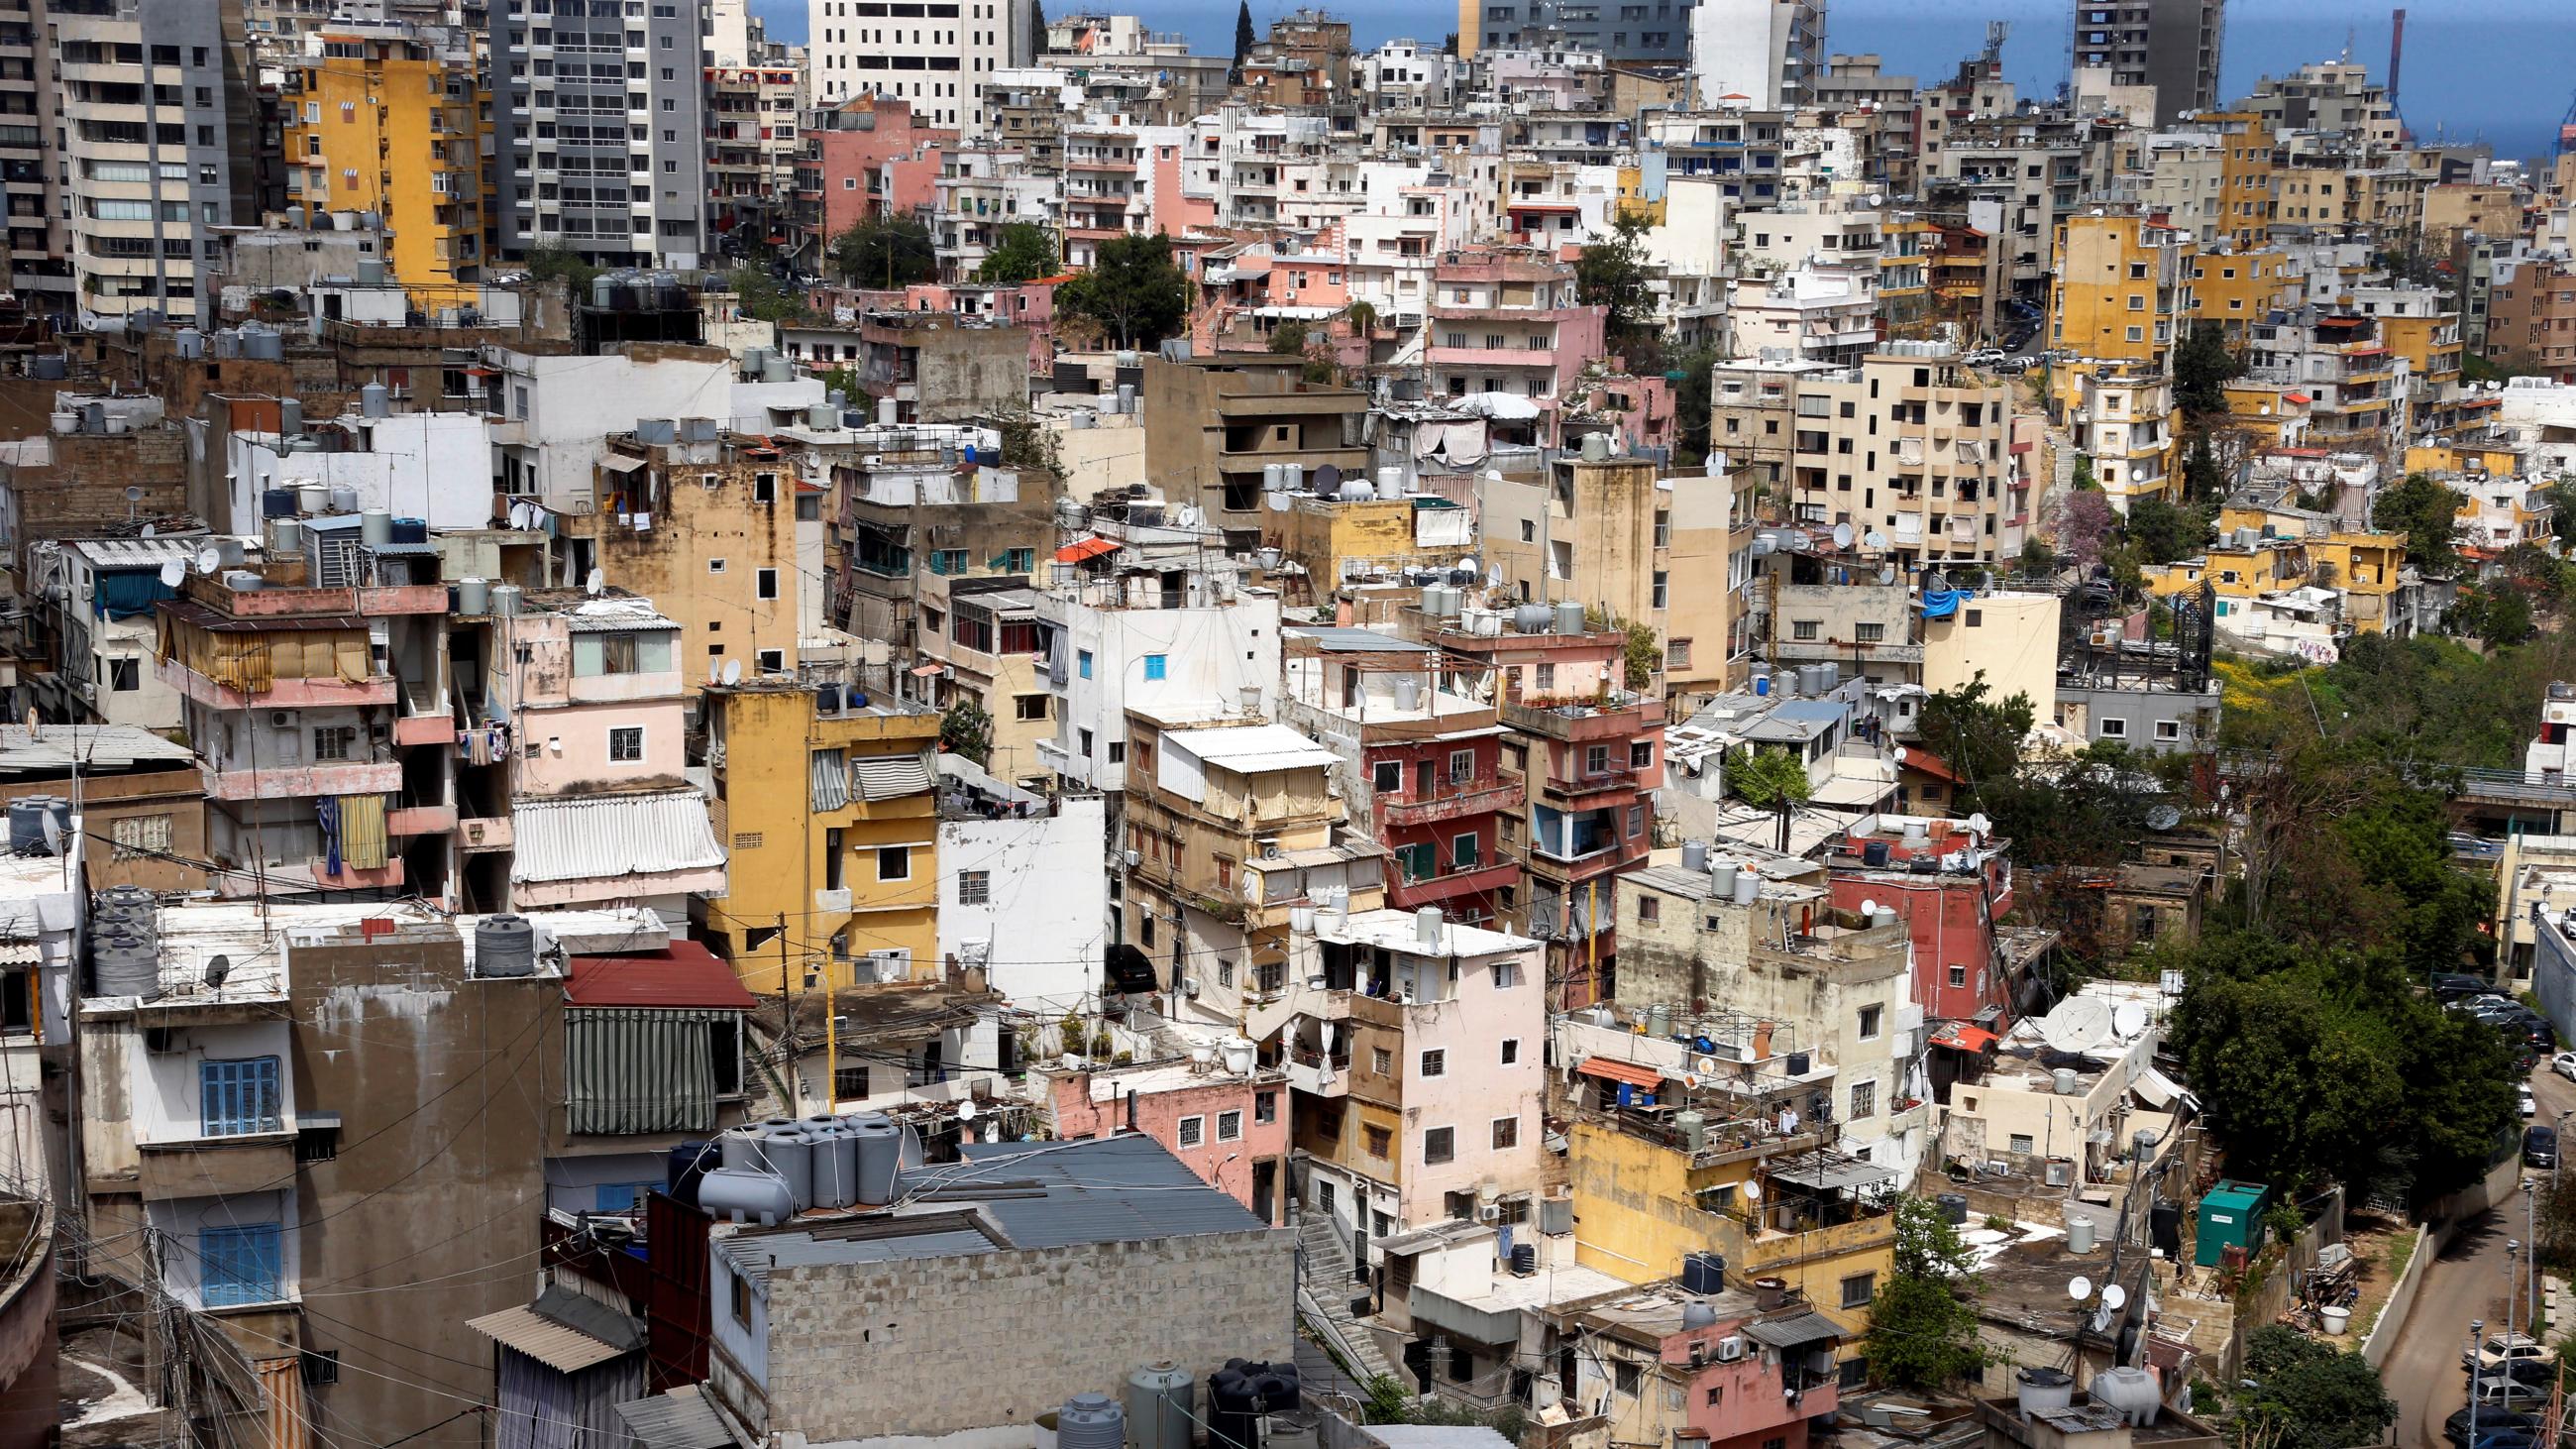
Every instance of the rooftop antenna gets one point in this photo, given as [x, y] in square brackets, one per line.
[133, 496]
[598, 583]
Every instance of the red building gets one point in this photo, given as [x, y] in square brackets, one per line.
[1951, 885]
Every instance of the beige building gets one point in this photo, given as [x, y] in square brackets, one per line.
[1213, 423]
[2009, 638]
[1910, 446]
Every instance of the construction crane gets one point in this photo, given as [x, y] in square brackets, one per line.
[2567, 130]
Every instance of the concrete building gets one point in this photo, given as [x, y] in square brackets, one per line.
[1229, 1127]
[1417, 1070]
[940, 67]
[1912, 449]
[555, 413]
[800, 1345]
[2009, 639]
[1746, 1376]
[754, 140]
[140, 800]
[391, 119]
[1961, 971]
[2122, 289]
[1765, 54]
[143, 187]
[1506, 321]
[830, 811]
[40, 265]
[1010, 857]
[96, 621]
[2171, 45]
[1213, 424]
[574, 169]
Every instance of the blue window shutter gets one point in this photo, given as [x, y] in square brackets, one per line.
[1154, 666]
[241, 1265]
[237, 1097]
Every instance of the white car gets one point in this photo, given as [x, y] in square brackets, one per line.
[2564, 1064]
[2505, 1348]
[2530, 1108]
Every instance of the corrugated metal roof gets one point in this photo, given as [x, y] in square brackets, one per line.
[686, 975]
[890, 777]
[1337, 639]
[679, 1418]
[1806, 1328]
[610, 614]
[1249, 749]
[651, 833]
[563, 1349]
[139, 553]
[95, 749]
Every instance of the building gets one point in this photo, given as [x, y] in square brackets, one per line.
[1414, 1050]
[1214, 424]
[139, 799]
[1911, 448]
[937, 367]
[754, 141]
[144, 189]
[95, 620]
[941, 68]
[2122, 289]
[800, 1342]
[388, 118]
[40, 265]
[830, 813]
[2169, 44]
[570, 182]
[1011, 856]
[1961, 970]
[1765, 54]
[2121, 416]
[1229, 1126]
[1506, 321]
[1509, 26]
[1725, 1369]
[2531, 318]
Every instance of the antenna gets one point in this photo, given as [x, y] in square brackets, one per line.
[149, 531]
[133, 496]
[1978, 824]
[715, 672]
[217, 969]
[173, 573]
[2114, 1297]
[2077, 1026]
[965, 1109]
[1842, 535]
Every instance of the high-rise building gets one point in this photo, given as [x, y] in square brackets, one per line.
[1770, 52]
[600, 129]
[938, 57]
[150, 169]
[387, 117]
[2169, 44]
[39, 251]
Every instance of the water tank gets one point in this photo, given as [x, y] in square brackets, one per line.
[126, 963]
[1693, 1127]
[753, 360]
[2066, 1081]
[505, 946]
[375, 400]
[505, 600]
[1294, 474]
[1427, 922]
[1918, 832]
[1770, 1293]
[262, 344]
[1797, 1064]
[791, 1156]
[473, 597]
[375, 527]
[1532, 618]
[1390, 483]
[241, 581]
[1954, 1207]
[1569, 617]
[1091, 1421]
[1408, 693]
[27, 825]
[189, 343]
[1239, 1054]
[1659, 1022]
[880, 1152]
[286, 535]
[2039, 1390]
[1524, 1260]
[128, 898]
[313, 497]
[1695, 856]
[742, 1150]
[2130, 1392]
[1354, 490]
[836, 1167]
[823, 417]
[776, 368]
[745, 1196]
[1596, 447]
[1161, 1398]
[1703, 1273]
[1722, 875]
[1697, 1314]
[1748, 888]
[1274, 478]
[689, 1163]
[1875, 853]
[2079, 1233]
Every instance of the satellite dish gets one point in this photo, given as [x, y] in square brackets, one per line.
[1707, 1066]
[217, 969]
[1887, 574]
[965, 1109]
[1752, 1190]
[1936, 581]
[208, 560]
[149, 531]
[2078, 1025]
[173, 573]
[1842, 535]
[1327, 478]
[1874, 539]
[53, 833]
[733, 671]
[133, 492]
[1898, 754]
[1980, 824]
[2127, 1020]
[2114, 1297]
[598, 583]
[1691, 1080]
[715, 672]
[1868, 907]
[2079, 1288]
[2163, 817]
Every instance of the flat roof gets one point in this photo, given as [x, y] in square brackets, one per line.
[95, 749]
[1338, 639]
[1396, 931]
[1246, 749]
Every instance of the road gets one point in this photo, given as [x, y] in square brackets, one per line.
[2468, 1281]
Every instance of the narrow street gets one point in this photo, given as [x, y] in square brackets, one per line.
[2467, 1282]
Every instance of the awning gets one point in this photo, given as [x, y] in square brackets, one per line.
[1611, 1070]
[1088, 548]
[2161, 1092]
[1959, 1036]
[680, 1418]
[620, 463]
[565, 1350]
[1786, 1333]
[890, 777]
[925, 671]
[1833, 1173]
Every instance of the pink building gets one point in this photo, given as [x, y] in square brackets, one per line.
[1506, 321]
[1231, 1128]
[1951, 886]
[876, 160]
[1747, 1376]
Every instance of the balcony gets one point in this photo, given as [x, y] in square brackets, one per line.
[1312, 1072]
[280, 694]
[425, 729]
[421, 820]
[1616, 779]
[217, 1166]
[1612, 715]
[1449, 800]
[296, 782]
[1407, 893]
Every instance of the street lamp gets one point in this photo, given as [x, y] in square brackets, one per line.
[2477, 1379]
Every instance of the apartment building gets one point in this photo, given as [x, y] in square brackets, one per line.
[2122, 292]
[940, 64]
[1503, 321]
[2121, 416]
[2355, 383]
[390, 118]
[754, 139]
[600, 131]
[1767, 53]
[40, 265]
[159, 147]
[1214, 424]
[1963, 968]
[2172, 45]
[2531, 317]
[1910, 448]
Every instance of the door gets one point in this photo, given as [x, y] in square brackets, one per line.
[1265, 1188]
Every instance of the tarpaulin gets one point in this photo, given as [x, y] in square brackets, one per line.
[1942, 603]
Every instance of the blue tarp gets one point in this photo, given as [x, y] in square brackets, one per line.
[1942, 603]
[124, 594]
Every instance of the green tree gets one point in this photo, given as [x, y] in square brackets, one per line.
[1923, 1320]
[1977, 735]
[2308, 1395]
[760, 297]
[1770, 780]
[2084, 480]
[1692, 375]
[2202, 478]
[2164, 532]
[1615, 273]
[1363, 318]
[2426, 510]
[1288, 339]
[1134, 290]
[555, 262]
[1022, 251]
[1243, 41]
[887, 252]
[966, 730]
[2202, 368]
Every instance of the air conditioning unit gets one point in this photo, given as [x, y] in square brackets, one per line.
[1190, 986]
[281, 718]
[1133, 859]
[1730, 1349]
[1490, 1213]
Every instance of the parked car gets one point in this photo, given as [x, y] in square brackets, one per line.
[2452, 985]
[2508, 1393]
[2539, 1146]
[2503, 1439]
[2564, 1064]
[2507, 1348]
[2490, 1421]
[2530, 1107]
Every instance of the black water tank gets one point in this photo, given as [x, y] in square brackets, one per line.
[1954, 1207]
[1703, 1274]
[2164, 1227]
[1524, 1260]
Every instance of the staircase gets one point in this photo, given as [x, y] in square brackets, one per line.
[1325, 1289]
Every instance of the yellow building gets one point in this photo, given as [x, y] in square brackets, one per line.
[829, 810]
[2122, 292]
[2007, 639]
[2263, 550]
[2431, 347]
[2121, 415]
[1644, 1203]
[2234, 289]
[2455, 459]
[391, 118]
[2270, 414]
[2245, 177]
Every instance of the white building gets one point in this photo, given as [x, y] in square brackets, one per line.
[1766, 54]
[98, 594]
[411, 465]
[938, 57]
[1021, 891]
[554, 414]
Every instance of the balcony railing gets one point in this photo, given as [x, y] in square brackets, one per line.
[1449, 799]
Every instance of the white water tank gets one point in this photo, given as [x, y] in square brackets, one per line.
[1239, 1054]
[2079, 1233]
[1426, 929]
[2129, 1392]
[1390, 482]
[473, 597]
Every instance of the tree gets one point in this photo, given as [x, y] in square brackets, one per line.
[1288, 339]
[1978, 736]
[553, 261]
[1615, 273]
[2202, 477]
[1363, 319]
[1923, 1320]
[1023, 251]
[2202, 368]
[760, 298]
[1770, 780]
[2499, 614]
[2084, 523]
[2307, 1395]
[966, 730]
[2426, 510]
[1243, 41]
[2561, 498]
[1133, 289]
[2164, 532]
[887, 252]
[1692, 398]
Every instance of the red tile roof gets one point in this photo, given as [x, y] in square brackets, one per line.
[686, 975]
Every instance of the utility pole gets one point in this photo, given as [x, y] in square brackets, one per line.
[2477, 1374]
[787, 1033]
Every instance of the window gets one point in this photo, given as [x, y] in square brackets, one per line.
[124, 675]
[2023, 1143]
[1462, 766]
[1082, 663]
[333, 742]
[1435, 1062]
[140, 835]
[1806, 631]
[1649, 909]
[1229, 1126]
[974, 887]
[1507, 1132]
[1193, 1131]
[1869, 633]
[1265, 1107]
[628, 653]
[1859, 1289]
[1463, 851]
[1387, 776]
[767, 583]
[1641, 755]
[2168, 729]
[626, 745]
[1381, 1061]
[1507, 974]
[1377, 1140]
[1864, 1100]
[1511, 1050]
[2113, 729]
[1026, 707]
[235, 1098]
[1869, 1023]
[1958, 973]
[1661, 588]
[894, 862]
[1627, 1376]
[1154, 666]
[240, 1265]
[1440, 1144]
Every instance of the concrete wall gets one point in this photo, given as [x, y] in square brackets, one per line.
[434, 466]
[2194, 717]
[2010, 638]
[1044, 871]
[1475, 1088]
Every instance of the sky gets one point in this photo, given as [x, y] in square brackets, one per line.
[2491, 69]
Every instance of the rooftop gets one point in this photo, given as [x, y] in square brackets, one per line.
[1252, 749]
[46, 751]
[1397, 930]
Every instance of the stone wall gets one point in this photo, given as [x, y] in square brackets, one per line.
[863, 1350]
